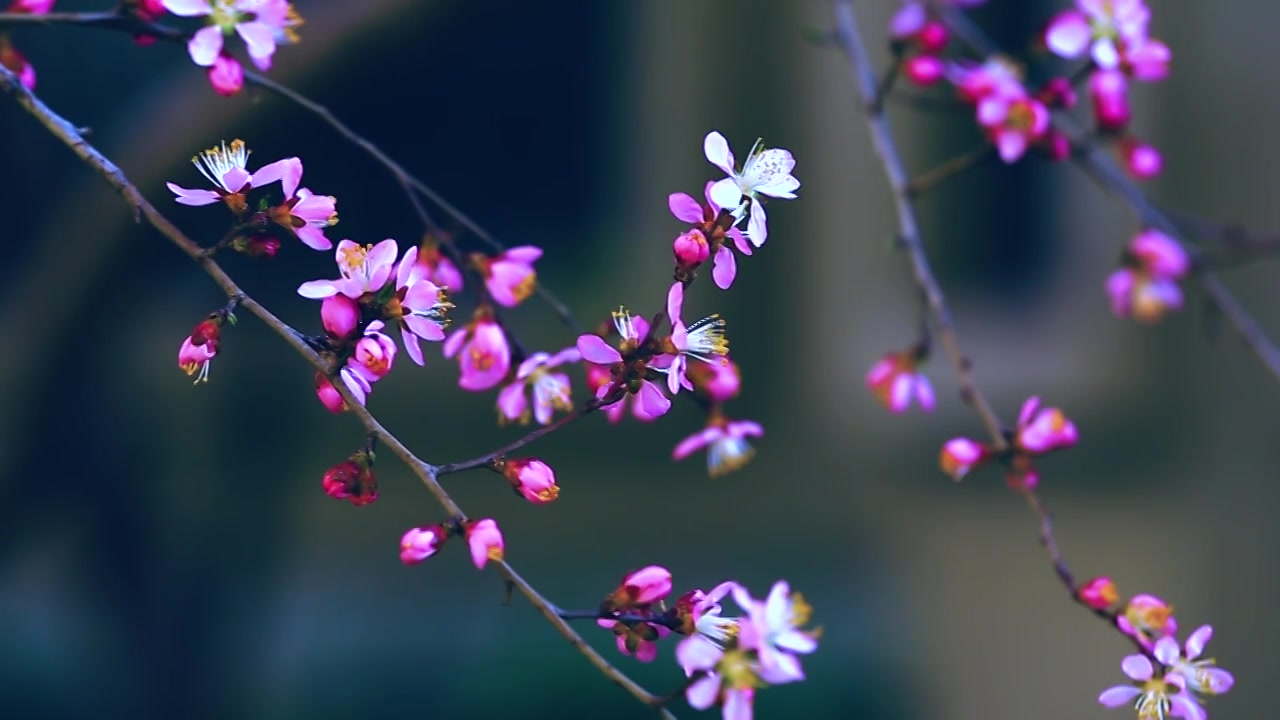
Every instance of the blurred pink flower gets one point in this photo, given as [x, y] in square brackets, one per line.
[485, 540]
[484, 356]
[774, 630]
[726, 443]
[1041, 430]
[1147, 287]
[725, 677]
[1147, 618]
[1152, 695]
[1099, 593]
[258, 23]
[1202, 676]
[896, 381]
[510, 277]
[636, 638]
[961, 455]
[302, 212]
[438, 267]
[1014, 120]
[419, 306]
[1109, 94]
[352, 480]
[226, 75]
[550, 390]
[718, 381]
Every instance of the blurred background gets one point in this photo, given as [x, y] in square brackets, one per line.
[167, 550]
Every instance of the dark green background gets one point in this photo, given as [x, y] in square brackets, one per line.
[167, 550]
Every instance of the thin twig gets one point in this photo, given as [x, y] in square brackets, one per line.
[934, 176]
[450, 468]
[425, 471]
[909, 230]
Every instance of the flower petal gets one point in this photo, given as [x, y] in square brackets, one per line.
[684, 207]
[716, 148]
[1119, 695]
[1069, 34]
[757, 226]
[594, 349]
[187, 196]
[317, 289]
[725, 268]
[727, 194]
[277, 170]
[188, 8]
[205, 46]
[1197, 641]
[260, 38]
[696, 442]
[1137, 667]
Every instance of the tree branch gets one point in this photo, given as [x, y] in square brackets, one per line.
[908, 227]
[425, 471]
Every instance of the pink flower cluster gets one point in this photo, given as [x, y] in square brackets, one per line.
[728, 658]
[261, 24]
[920, 39]
[1013, 118]
[1146, 286]
[1113, 34]
[1040, 431]
[1179, 680]
[896, 381]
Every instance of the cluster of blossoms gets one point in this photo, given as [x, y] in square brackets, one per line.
[262, 25]
[484, 540]
[1146, 286]
[1113, 34]
[1013, 117]
[726, 657]
[10, 57]
[1168, 680]
[897, 381]
[919, 40]
[1040, 430]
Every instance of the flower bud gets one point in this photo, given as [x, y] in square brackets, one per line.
[352, 480]
[328, 394]
[924, 70]
[691, 249]
[933, 37]
[640, 588]
[719, 381]
[1099, 593]
[340, 316]
[533, 479]
[1143, 161]
[1109, 92]
[485, 541]
[226, 75]
[960, 455]
[1058, 93]
[420, 543]
[373, 356]
[1056, 145]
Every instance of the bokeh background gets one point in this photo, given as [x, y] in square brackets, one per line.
[167, 551]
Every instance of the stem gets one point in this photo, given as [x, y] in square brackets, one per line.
[425, 471]
[933, 177]
[909, 230]
[483, 460]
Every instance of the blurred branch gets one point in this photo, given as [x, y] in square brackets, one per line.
[1104, 171]
[908, 227]
[425, 471]
[450, 468]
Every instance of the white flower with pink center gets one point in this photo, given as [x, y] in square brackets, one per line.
[766, 171]
[226, 168]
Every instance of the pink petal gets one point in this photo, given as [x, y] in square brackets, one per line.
[651, 400]
[1119, 696]
[188, 8]
[595, 350]
[675, 302]
[684, 207]
[205, 45]
[1105, 54]
[1137, 667]
[907, 21]
[260, 39]
[406, 267]
[272, 172]
[455, 342]
[235, 179]
[1167, 650]
[193, 197]
[1028, 411]
[1184, 706]
[1069, 34]
[526, 254]
[317, 289]
[1012, 144]
[900, 393]
[313, 238]
[739, 240]
[411, 346]
[737, 704]
[696, 653]
[696, 442]
[702, 694]
[1197, 641]
[512, 404]
[727, 194]
[424, 328]
[646, 651]
[717, 151]
[725, 267]
[757, 226]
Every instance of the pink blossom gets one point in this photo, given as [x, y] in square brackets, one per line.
[1153, 695]
[912, 19]
[1100, 27]
[1109, 93]
[1201, 676]
[704, 340]
[420, 543]
[484, 356]
[550, 390]
[636, 638]
[766, 171]
[896, 382]
[225, 167]
[363, 269]
[328, 394]
[996, 76]
[707, 230]
[647, 405]
[302, 212]
[1013, 120]
[718, 381]
[438, 268]
[727, 677]
[373, 354]
[34, 7]
[924, 70]
[1099, 593]
[352, 480]
[257, 22]
[1147, 61]
[1041, 430]
[726, 443]
[510, 277]
[702, 616]
[199, 349]
[226, 76]
[16, 63]
[774, 630]
[640, 589]
[649, 401]
[419, 306]
[1143, 161]
[149, 10]
[960, 455]
[1148, 287]
[1147, 618]
[533, 479]
[485, 540]
[1058, 92]
[340, 316]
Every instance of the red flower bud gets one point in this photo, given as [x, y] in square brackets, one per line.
[352, 480]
